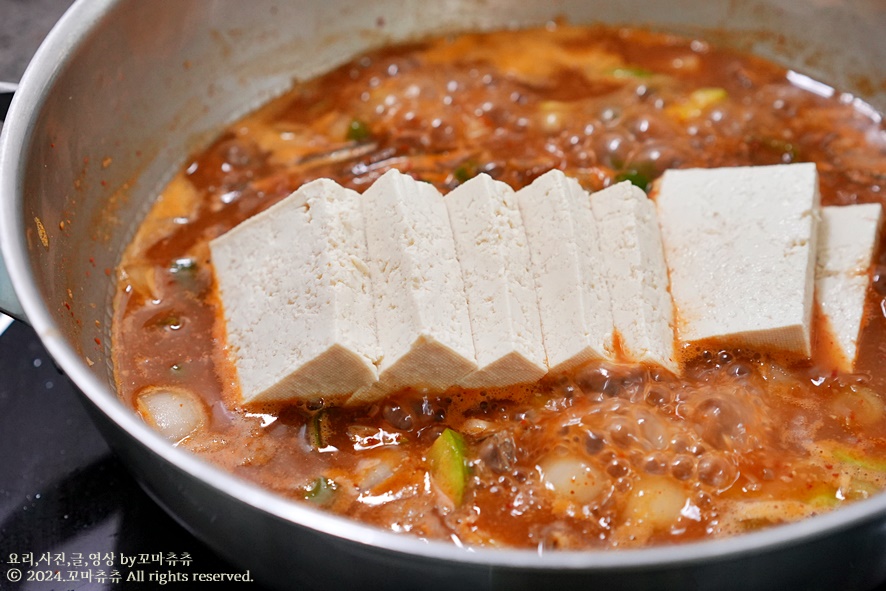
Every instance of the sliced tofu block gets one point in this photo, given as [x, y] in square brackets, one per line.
[740, 244]
[421, 310]
[847, 240]
[296, 292]
[566, 264]
[636, 274]
[494, 257]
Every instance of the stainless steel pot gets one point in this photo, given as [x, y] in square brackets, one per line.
[121, 91]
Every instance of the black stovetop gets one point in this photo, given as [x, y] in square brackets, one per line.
[62, 491]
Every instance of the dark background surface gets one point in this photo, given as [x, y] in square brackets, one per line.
[61, 489]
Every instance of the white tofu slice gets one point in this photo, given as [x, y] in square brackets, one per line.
[297, 298]
[847, 240]
[573, 299]
[494, 257]
[423, 325]
[740, 245]
[636, 274]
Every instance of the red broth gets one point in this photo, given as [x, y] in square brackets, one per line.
[614, 456]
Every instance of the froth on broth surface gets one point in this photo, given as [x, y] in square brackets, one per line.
[614, 456]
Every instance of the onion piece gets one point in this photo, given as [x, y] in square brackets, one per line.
[572, 479]
[143, 279]
[656, 501]
[476, 427]
[174, 412]
[371, 472]
[749, 515]
[858, 405]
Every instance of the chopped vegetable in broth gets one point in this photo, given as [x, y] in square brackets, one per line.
[609, 455]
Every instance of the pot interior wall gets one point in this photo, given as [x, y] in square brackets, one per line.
[129, 101]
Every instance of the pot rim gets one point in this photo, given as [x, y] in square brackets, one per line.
[17, 137]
